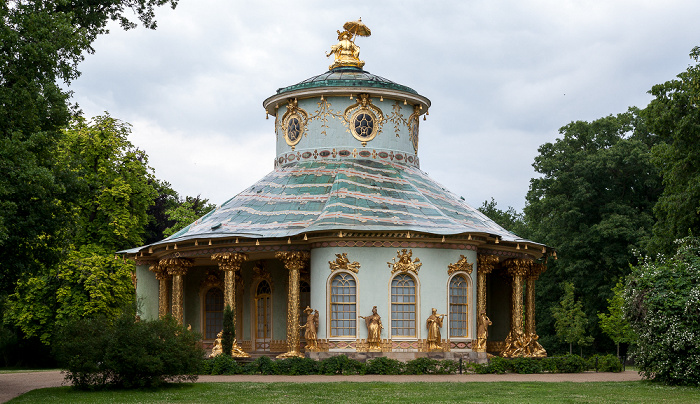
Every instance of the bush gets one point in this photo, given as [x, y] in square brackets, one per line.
[224, 365]
[607, 363]
[422, 366]
[662, 303]
[548, 364]
[297, 366]
[525, 365]
[341, 365]
[448, 367]
[496, 365]
[570, 363]
[261, 366]
[384, 366]
[127, 353]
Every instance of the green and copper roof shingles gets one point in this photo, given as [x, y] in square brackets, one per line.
[352, 195]
[347, 77]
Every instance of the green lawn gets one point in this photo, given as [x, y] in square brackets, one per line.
[379, 393]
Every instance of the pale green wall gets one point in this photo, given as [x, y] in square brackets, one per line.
[374, 284]
[336, 134]
[147, 292]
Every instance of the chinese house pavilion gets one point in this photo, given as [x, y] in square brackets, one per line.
[348, 238]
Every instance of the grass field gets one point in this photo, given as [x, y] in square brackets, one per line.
[345, 392]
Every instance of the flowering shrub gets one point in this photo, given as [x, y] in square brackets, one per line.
[662, 302]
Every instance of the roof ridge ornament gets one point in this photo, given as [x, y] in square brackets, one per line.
[346, 53]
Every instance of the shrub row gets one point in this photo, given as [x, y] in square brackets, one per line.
[342, 365]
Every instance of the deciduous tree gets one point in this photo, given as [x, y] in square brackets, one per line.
[570, 320]
[614, 324]
[593, 203]
[674, 117]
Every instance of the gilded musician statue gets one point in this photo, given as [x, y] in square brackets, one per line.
[374, 330]
[434, 324]
[311, 326]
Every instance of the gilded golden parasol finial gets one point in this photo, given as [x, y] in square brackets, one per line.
[357, 28]
[346, 53]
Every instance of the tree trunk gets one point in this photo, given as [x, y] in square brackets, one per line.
[570, 348]
[618, 350]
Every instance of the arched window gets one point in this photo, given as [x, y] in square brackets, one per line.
[214, 312]
[343, 305]
[459, 306]
[403, 306]
[263, 316]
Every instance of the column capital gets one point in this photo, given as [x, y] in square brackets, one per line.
[536, 269]
[230, 261]
[176, 266]
[294, 259]
[160, 271]
[486, 263]
[518, 266]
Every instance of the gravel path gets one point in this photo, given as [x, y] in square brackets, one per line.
[15, 384]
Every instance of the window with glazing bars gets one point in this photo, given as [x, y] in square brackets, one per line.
[214, 312]
[343, 309]
[403, 306]
[459, 306]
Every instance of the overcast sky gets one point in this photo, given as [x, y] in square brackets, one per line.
[503, 77]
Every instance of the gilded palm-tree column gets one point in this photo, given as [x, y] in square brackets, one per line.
[163, 290]
[230, 263]
[516, 341]
[177, 268]
[533, 348]
[294, 261]
[485, 264]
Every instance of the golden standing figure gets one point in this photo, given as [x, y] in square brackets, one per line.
[434, 324]
[374, 330]
[311, 333]
[482, 332]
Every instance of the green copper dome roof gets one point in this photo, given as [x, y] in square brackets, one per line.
[359, 195]
[347, 77]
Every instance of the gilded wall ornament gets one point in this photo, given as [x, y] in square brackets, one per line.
[397, 118]
[461, 265]
[363, 119]
[342, 262]
[323, 112]
[413, 127]
[294, 123]
[404, 263]
[211, 279]
[260, 272]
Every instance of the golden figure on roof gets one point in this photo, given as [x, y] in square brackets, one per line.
[345, 51]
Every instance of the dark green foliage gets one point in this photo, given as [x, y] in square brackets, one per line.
[384, 366]
[297, 366]
[510, 219]
[592, 202]
[496, 365]
[662, 302]
[674, 118]
[428, 366]
[97, 352]
[341, 365]
[222, 365]
[229, 332]
[422, 366]
[261, 366]
[525, 365]
[548, 364]
[41, 45]
[569, 364]
[605, 363]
